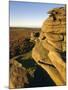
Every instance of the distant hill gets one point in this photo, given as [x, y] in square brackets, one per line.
[19, 32]
[24, 28]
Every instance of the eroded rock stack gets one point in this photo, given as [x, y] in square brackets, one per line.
[54, 29]
[50, 44]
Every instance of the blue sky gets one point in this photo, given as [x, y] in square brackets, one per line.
[27, 14]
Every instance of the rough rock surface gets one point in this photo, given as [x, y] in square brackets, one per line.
[56, 22]
[50, 43]
[55, 30]
[18, 75]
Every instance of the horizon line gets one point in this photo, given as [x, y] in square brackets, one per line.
[22, 27]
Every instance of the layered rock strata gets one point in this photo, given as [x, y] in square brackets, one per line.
[50, 43]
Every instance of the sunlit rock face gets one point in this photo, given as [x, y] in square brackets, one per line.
[52, 40]
[54, 28]
[49, 48]
[56, 22]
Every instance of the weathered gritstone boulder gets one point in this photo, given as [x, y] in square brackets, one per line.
[54, 28]
[61, 11]
[56, 22]
[18, 75]
[40, 56]
[49, 45]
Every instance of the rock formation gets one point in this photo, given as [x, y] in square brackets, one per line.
[21, 70]
[18, 75]
[50, 44]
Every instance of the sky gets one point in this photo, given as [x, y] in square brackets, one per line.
[28, 14]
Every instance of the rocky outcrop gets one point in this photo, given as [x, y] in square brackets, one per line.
[50, 43]
[56, 22]
[22, 71]
[55, 30]
[18, 75]
[58, 63]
